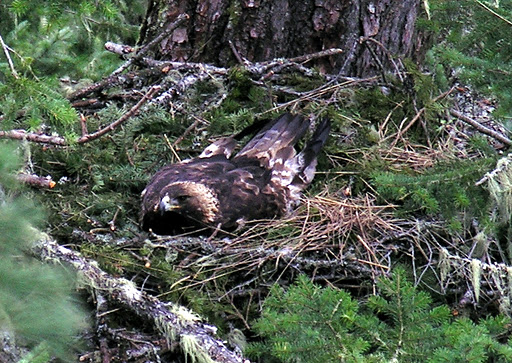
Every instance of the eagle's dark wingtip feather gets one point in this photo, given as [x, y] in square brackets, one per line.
[308, 156]
[317, 141]
[285, 130]
[256, 126]
[320, 136]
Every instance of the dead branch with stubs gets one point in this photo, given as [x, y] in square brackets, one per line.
[174, 322]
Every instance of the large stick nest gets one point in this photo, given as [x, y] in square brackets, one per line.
[328, 237]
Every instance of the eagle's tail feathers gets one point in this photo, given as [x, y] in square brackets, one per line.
[224, 145]
[317, 141]
[307, 157]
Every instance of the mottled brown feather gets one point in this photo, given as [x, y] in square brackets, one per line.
[264, 180]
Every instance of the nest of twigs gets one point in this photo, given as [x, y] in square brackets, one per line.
[330, 237]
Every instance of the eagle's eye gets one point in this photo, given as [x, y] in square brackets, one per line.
[182, 198]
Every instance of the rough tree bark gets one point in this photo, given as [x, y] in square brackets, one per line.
[369, 31]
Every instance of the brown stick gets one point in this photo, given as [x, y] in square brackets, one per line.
[481, 128]
[311, 56]
[119, 121]
[83, 125]
[36, 181]
[188, 131]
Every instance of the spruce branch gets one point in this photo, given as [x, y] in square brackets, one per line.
[61, 141]
[173, 321]
[120, 120]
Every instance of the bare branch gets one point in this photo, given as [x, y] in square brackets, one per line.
[180, 19]
[119, 121]
[112, 81]
[120, 49]
[36, 181]
[60, 141]
[481, 128]
[173, 321]
[321, 54]
[9, 60]
[33, 137]
[115, 77]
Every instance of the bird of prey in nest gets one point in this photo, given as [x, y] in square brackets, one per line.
[216, 191]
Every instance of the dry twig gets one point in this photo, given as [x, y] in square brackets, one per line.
[8, 56]
[141, 52]
[317, 237]
[36, 181]
[481, 128]
[120, 120]
[419, 114]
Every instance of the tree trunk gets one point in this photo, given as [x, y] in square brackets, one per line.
[371, 33]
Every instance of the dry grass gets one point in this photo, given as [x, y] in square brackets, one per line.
[328, 237]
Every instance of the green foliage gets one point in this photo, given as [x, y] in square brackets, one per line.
[477, 43]
[36, 301]
[31, 104]
[227, 123]
[469, 342]
[447, 188]
[312, 324]
[301, 83]
[409, 330]
[57, 38]
[237, 110]
[374, 105]
[8, 166]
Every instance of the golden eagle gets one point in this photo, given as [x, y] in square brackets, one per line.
[214, 190]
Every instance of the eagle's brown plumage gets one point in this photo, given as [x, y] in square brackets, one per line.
[263, 180]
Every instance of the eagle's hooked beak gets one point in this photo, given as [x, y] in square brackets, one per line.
[167, 204]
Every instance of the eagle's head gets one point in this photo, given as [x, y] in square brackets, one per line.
[193, 201]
